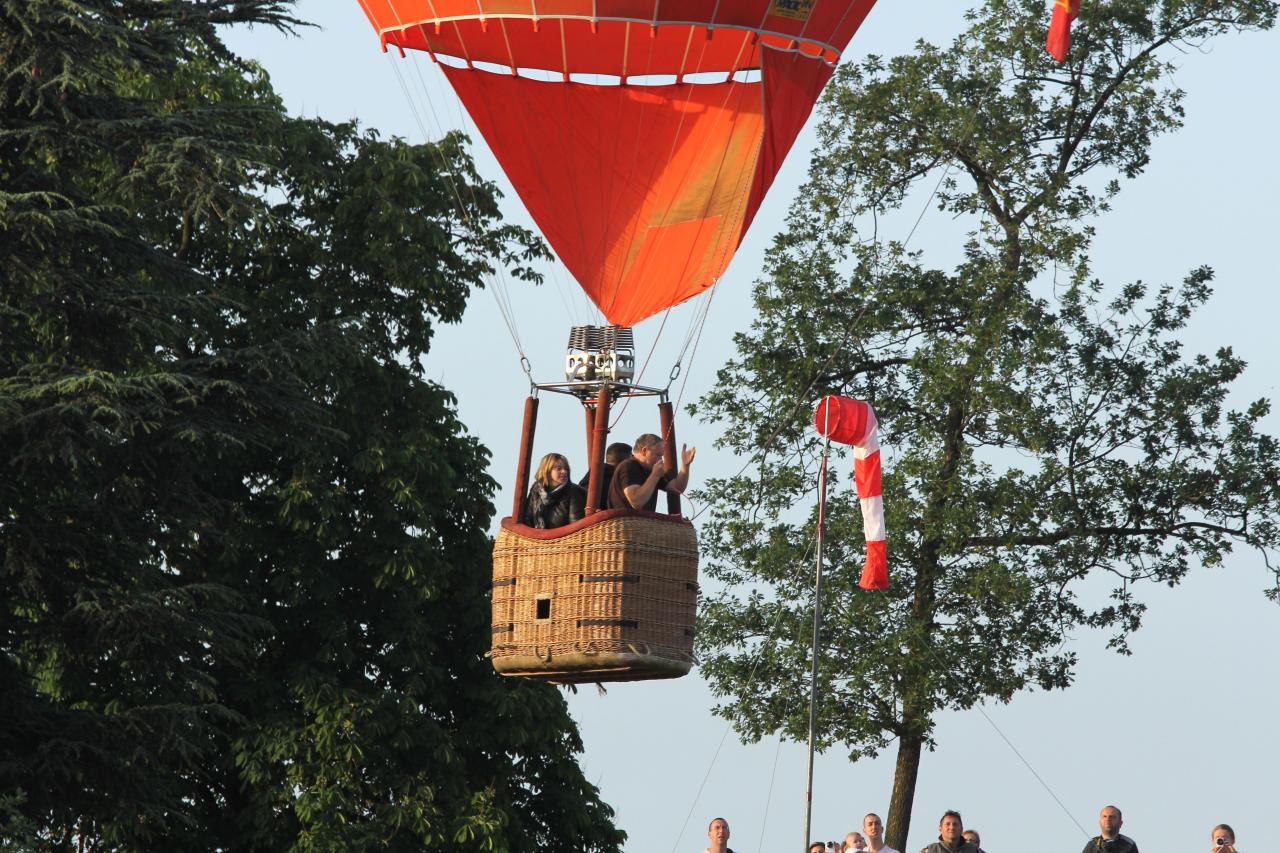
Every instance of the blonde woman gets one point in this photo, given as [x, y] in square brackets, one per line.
[554, 500]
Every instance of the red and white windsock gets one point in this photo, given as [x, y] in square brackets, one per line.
[853, 422]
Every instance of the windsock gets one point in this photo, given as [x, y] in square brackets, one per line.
[853, 422]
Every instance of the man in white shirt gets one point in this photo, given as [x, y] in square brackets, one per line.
[873, 829]
[718, 835]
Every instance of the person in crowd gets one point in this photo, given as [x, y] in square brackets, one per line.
[637, 481]
[972, 836]
[553, 500]
[854, 841]
[816, 847]
[1223, 838]
[951, 836]
[873, 828]
[614, 454]
[1110, 840]
[718, 835]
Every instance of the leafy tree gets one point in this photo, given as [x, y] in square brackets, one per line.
[1049, 437]
[243, 558]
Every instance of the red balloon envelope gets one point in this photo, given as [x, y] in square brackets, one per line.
[644, 191]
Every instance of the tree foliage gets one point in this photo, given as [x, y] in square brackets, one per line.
[1049, 444]
[242, 538]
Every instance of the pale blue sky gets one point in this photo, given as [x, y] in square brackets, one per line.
[1181, 736]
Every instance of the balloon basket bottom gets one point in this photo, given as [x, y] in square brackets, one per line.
[610, 598]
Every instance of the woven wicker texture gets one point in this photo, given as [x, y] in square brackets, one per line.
[612, 600]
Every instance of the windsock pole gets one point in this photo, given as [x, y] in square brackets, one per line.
[817, 629]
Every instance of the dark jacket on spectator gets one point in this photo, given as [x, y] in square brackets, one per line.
[962, 846]
[547, 508]
[1119, 844]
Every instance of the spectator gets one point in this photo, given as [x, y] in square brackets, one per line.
[972, 836]
[553, 500]
[1224, 839]
[637, 481]
[718, 835]
[854, 841]
[614, 455]
[1110, 841]
[951, 836]
[874, 829]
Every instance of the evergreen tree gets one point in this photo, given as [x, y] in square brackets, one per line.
[243, 559]
[1047, 433]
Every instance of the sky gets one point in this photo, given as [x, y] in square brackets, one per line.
[1181, 735]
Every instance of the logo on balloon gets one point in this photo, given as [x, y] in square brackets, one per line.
[796, 10]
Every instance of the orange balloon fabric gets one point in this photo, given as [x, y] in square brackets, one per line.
[643, 179]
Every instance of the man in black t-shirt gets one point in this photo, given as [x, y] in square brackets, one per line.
[637, 481]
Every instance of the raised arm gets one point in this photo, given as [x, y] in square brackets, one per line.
[638, 495]
[681, 481]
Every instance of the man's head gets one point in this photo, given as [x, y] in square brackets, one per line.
[718, 832]
[872, 826]
[950, 827]
[616, 452]
[971, 835]
[1110, 821]
[1223, 835]
[648, 449]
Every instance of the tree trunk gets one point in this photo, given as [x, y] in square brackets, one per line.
[904, 792]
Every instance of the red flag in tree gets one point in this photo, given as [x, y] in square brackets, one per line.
[1059, 41]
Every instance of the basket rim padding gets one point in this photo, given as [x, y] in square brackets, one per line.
[603, 515]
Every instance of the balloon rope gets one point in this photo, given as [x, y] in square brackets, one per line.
[746, 691]
[575, 302]
[706, 312]
[499, 287]
[640, 376]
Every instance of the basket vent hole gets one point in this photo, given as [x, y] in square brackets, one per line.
[543, 607]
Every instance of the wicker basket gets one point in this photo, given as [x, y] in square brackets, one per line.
[608, 598]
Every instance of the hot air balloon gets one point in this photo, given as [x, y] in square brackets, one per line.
[642, 137]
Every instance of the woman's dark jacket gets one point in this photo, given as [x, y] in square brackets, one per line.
[547, 508]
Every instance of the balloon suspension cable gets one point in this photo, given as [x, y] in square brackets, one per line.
[696, 337]
[500, 287]
[817, 628]
[696, 321]
[640, 373]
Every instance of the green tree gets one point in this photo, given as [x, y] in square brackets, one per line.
[243, 557]
[1049, 436]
